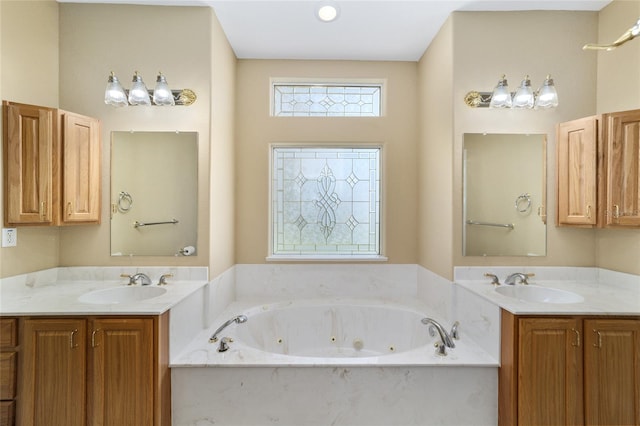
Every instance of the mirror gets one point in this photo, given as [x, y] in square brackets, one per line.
[154, 193]
[504, 195]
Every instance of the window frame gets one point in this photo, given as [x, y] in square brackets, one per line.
[342, 82]
[369, 257]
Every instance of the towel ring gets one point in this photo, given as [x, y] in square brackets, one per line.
[125, 202]
[523, 203]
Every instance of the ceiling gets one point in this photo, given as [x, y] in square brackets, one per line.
[384, 30]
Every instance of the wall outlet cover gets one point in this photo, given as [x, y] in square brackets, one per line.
[9, 237]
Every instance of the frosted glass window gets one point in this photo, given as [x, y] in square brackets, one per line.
[325, 201]
[322, 100]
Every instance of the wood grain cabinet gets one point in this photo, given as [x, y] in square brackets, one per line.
[110, 371]
[51, 166]
[598, 171]
[8, 370]
[569, 371]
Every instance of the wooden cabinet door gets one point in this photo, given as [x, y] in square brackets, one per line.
[612, 371]
[28, 163]
[81, 169]
[549, 372]
[623, 169]
[121, 384]
[51, 390]
[576, 172]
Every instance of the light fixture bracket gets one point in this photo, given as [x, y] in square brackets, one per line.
[182, 97]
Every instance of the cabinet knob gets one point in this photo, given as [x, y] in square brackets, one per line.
[616, 211]
[93, 338]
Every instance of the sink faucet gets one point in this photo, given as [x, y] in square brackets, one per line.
[238, 320]
[133, 279]
[511, 279]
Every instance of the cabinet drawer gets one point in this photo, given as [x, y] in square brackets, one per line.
[8, 375]
[8, 332]
[7, 413]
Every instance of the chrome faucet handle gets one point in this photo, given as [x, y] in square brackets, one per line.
[163, 279]
[224, 344]
[454, 331]
[494, 278]
[441, 348]
[132, 281]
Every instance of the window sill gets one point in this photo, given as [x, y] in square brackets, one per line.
[325, 258]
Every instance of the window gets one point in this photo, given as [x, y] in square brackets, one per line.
[326, 100]
[325, 201]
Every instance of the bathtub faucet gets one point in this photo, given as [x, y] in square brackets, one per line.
[446, 338]
[238, 320]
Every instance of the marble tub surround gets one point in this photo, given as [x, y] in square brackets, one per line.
[605, 292]
[56, 291]
[245, 287]
[414, 387]
[362, 396]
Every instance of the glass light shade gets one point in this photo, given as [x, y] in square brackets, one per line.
[162, 94]
[114, 94]
[501, 97]
[524, 95]
[547, 95]
[139, 95]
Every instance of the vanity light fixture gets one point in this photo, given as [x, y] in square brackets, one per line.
[115, 95]
[523, 98]
[327, 11]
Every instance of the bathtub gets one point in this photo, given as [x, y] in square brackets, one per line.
[332, 361]
[330, 332]
[331, 329]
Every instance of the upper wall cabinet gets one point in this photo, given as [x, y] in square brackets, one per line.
[598, 174]
[51, 166]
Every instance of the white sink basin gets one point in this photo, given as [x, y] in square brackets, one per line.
[533, 293]
[121, 295]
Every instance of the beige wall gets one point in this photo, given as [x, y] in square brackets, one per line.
[396, 131]
[539, 43]
[70, 47]
[435, 205]
[222, 165]
[29, 74]
[95, 39]
[618, 90]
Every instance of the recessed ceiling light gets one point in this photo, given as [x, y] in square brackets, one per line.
[327, 11]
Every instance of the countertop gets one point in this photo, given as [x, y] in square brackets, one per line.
[609, 295]
[21, 296]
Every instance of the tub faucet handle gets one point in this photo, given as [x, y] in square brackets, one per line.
[224, 344]
[454, 331]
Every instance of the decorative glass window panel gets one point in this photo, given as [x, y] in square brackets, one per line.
[324, 100]
[325, 201]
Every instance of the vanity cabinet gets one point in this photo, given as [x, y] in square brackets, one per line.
[8, 370]
[94, 371]
[569, 371]
[598, 171]
[51, 166]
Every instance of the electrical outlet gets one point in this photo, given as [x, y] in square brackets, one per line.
[9, 237]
